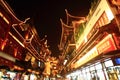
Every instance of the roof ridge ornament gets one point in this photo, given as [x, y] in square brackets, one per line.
[71, 18]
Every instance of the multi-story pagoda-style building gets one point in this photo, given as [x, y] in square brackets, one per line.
[20, 45]
[97, 51]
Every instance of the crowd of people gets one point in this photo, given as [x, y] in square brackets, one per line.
[18, 76]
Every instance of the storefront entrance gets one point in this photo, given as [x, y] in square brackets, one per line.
[112, 74]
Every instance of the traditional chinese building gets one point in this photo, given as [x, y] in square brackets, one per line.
[97, 44]
[20, 45]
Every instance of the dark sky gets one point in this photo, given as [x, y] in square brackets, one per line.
[46, 15]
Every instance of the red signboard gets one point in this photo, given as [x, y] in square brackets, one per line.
[106, 45]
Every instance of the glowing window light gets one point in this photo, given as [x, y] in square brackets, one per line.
[108, 63]
[85, 39]
[15, 51]
[3, 44]
[65, 61]
[109, 14]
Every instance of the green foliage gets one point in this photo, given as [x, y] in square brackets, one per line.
[79, 31]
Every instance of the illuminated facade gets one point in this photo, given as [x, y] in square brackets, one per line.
[97, 44]
[20, 46]
[67, 42]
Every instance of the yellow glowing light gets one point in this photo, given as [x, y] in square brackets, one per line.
[26, 36]
[16, 39]
[3, 44]
[87, 57]
[15, 52]
[4, 18]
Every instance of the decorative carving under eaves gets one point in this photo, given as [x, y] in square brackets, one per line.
[67, 31]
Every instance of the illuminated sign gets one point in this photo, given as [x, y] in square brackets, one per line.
[87, 57]
[106, 45]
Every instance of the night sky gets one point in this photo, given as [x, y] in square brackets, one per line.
[46, 14]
